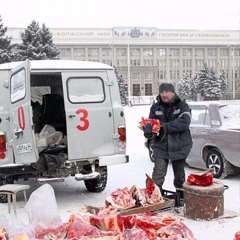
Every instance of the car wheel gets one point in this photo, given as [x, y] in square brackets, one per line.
[150, 150]
[216, 162]
[98, 184]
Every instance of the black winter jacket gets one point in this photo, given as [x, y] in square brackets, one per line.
[174, 140]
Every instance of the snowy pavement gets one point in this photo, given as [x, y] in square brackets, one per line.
[72, 195]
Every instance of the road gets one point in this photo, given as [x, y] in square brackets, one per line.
[72, 195]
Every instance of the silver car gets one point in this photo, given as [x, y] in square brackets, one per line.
[215, 130]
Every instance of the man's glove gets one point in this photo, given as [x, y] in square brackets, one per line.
[148, 129]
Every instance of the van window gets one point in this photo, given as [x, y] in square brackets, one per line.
[18, 86]
[83, 90]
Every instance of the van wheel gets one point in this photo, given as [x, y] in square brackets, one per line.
[97, 184]
[217, 162]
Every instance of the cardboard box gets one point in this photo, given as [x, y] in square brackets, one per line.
[168, 203]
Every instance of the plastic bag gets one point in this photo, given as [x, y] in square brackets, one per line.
[48, 137]
[13, 228]
[42, 208]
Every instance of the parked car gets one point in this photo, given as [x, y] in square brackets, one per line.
[215, 130]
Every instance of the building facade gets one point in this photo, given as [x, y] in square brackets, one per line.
[146, 57]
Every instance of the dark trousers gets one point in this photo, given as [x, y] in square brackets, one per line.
[160, 171]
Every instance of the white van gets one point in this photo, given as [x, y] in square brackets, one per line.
[60, 118]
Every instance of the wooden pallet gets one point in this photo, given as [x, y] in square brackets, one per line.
[168, 203]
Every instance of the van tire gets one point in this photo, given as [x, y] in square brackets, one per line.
[97, 184]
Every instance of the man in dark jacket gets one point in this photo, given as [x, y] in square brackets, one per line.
[174, 140]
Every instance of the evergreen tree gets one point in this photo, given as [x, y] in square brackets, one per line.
[6, 54]
[36, 44]
[207, 83]
[223, 82]
[121, 85]
[184, 87]
[48, 47]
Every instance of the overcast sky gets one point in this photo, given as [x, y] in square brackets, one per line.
[163, 14]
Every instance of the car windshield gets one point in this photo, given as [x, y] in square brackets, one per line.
[230, 115]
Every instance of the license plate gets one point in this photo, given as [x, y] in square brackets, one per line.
[24, 148]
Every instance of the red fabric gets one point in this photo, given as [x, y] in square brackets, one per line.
[202, 180]
[155, 122]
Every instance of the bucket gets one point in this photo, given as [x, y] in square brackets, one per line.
[204, 203]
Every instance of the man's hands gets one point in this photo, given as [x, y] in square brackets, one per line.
[148, 129]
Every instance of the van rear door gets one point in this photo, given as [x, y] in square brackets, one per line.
[21, 115]
[89, 114]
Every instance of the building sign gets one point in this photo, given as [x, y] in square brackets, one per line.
[83, 35]
[79, 33]
[135, 32]
[194, 36]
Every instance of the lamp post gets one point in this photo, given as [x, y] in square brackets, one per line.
[128, 72]
[112, 49]
[233, 69]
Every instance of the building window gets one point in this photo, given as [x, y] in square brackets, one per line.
[79, 52]
[136, 89]
[108, 62]
[148, 89]
[147, 52]
[121, 52]
[174, 62]
[161, 74]
[174, 52]
[135, 75]
[161, 63]
[174, 74]
[135, 52]
[161, 52]
[237, 52]
[148, 75]
[187, 62]
[199, 63]
[187, 52]
[224, 52]
[212, 52]
[224, 62]
[121, 62]
[65, 52]
[211, 63]
[107, 52]
[124, 74]
[199, 52]
[148, 62]
[93, 52]
[135, 62]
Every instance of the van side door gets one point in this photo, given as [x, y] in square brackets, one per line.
[21, 115]
[89, 114]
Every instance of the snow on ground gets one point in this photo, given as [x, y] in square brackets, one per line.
[72, 195]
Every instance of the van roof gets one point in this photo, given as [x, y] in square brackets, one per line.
[57, 64]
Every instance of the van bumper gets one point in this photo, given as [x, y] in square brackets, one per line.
[112, 160]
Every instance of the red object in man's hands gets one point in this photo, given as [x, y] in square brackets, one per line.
[200, 180]
[155, 122]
